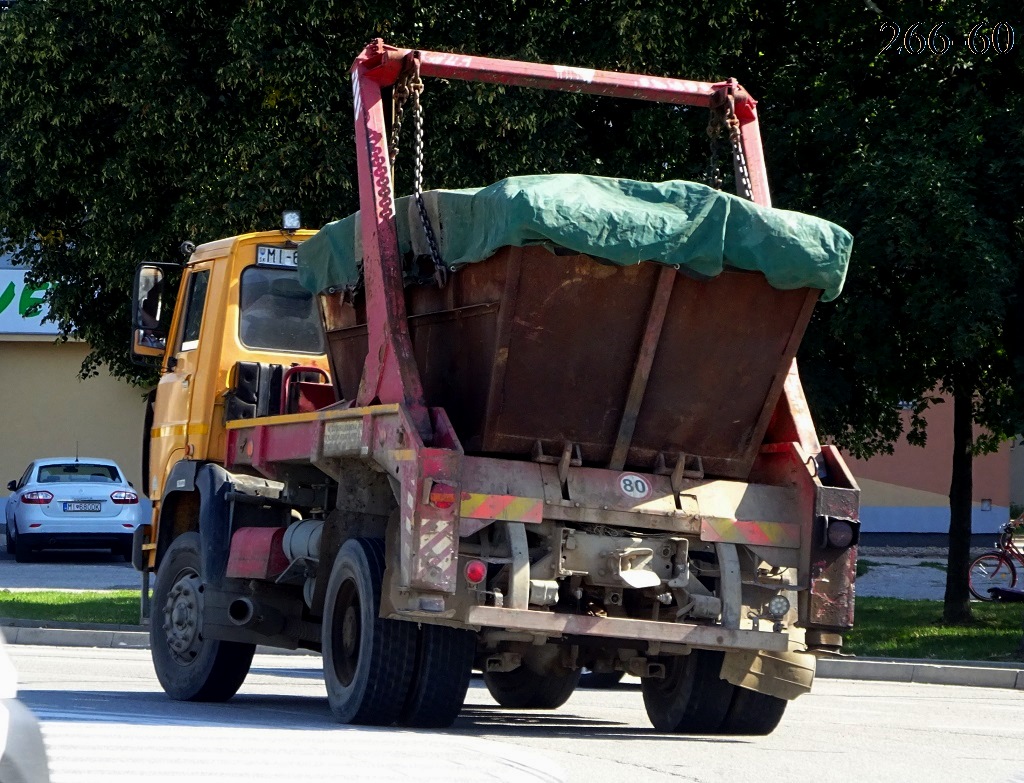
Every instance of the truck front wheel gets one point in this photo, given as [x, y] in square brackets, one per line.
[368, 661]
[189, 666]
[525, 689]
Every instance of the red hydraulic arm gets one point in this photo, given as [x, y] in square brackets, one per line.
[390, 374]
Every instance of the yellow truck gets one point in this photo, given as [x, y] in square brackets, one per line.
[550, 425]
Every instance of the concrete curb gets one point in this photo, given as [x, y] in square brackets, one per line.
[975, 674]
[75, 637]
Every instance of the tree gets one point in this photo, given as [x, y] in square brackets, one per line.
[132, 126]
[919, 156]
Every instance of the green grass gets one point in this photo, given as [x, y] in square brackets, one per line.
[109, 606]
[893, 628]
[885, 627]
[864, 565]
[933, 564]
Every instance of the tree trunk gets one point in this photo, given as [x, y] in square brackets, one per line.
[957, 601]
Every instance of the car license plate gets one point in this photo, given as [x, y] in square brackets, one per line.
[266, 255]
[81, 506]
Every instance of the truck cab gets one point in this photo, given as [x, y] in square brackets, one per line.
[243, 333]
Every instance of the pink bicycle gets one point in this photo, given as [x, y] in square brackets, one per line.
[998, 568]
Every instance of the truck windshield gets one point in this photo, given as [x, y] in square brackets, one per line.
[278, 314]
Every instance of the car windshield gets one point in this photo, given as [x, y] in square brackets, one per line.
[277, 313]
[74, 472]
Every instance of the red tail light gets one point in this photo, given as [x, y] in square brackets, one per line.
[124, 498]
[442, 496]
[40, 498]
[476, 572]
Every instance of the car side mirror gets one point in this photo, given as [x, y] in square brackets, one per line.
[12, 485]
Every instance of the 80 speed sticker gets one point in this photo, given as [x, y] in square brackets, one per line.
[633, 486]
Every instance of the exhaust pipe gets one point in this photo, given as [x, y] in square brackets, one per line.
[246, 613]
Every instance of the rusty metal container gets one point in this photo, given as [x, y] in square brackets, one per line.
[633, 365]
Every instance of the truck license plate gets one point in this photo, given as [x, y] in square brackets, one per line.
[81, 506]
[267, 255]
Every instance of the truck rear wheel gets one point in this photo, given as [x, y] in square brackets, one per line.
[444, 663]
[753, 713]
[368, 661]
[525, 689]
[692, 698]
[189, 666]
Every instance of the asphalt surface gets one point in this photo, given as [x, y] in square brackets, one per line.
[915, 575]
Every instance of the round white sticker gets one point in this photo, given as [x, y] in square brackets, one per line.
[634, 486]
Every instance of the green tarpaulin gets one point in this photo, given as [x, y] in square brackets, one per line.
[684, 224]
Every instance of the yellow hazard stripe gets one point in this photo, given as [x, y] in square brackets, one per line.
[741, 531]
[179, 430]
[507, 508]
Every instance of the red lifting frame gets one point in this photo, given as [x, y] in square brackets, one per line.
[390, 374]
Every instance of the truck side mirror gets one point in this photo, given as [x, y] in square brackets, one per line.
[149, 333]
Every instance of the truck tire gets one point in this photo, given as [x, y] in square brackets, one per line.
[524, 689]
[368, 661]
[753, 713]
[189, 666]
[692, 698]
[444, 663]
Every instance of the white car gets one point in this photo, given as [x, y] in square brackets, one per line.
[71, 503]
[22, 752]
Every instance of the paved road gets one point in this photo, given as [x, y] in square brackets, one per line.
[71, 570]
[902, 577]
[278, 728]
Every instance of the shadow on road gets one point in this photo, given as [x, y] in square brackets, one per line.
[259, 711]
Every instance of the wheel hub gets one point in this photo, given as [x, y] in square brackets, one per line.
[183, 614]
[350, 631]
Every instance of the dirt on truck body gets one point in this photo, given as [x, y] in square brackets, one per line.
[550, 425]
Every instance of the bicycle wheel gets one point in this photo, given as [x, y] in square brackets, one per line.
[992, 569]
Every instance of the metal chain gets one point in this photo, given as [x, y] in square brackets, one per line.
[415, 88]
[400, 94]
[723, 116]
[743, 185]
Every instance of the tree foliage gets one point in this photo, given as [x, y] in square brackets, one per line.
[919, 155]
[132, 126]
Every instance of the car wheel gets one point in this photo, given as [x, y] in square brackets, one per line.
[11, 545]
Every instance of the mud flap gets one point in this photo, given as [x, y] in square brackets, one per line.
[784, 675]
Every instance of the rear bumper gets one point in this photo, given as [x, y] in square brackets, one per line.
[75, 540]
[552, 624]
